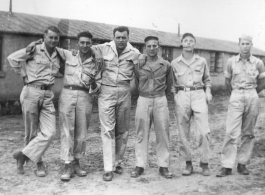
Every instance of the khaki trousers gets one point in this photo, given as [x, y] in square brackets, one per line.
[39, 120]
[243, 110]
[188, 104]
[152, 111]
[114, 105]
[75, 108]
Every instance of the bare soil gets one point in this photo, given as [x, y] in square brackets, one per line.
[11, 139]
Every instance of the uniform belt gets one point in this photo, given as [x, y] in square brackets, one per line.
[41, 87]
[72, 87]
[189, 88]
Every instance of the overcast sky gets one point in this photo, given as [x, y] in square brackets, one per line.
[219, 19]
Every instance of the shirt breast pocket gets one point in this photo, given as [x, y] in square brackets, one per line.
[198, 70]
[179, 74]
[236, 71]
[42, 65]
[70, 67]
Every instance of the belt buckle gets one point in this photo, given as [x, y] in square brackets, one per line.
[186, 89]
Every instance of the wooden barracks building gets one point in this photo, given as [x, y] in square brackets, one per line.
[17, 30]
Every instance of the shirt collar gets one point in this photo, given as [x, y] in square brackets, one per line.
[251, 58]
[181, 58]
[128, 48]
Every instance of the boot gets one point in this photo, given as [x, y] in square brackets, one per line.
[118, 170]
[205, 169]
[241, 169]
[40, 169]
[67, 172]
[224, 172]
[21, 158]
[77, 169]
[108, 176]
[189, 169]
[165, 173]
[137, 172]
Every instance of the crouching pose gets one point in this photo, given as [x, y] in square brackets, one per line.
[153, 80]
[191, 76]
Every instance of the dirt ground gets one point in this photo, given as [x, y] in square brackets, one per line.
[11, 139]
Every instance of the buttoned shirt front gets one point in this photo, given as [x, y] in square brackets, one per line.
[154, 80]
[41, 68]
[192, 74]
[74, 67]
[117, 68]
[244, 73]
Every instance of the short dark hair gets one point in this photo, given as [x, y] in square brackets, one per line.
[53, 29]
[148, 38]
[84, 34]
[121, 29]
[186, 35]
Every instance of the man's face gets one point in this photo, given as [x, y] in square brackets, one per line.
[84, 44]
[121, 39]
[245, 46]
[188, 43]
[51, 39]
[152, 47]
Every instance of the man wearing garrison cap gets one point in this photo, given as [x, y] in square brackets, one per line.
[244, 80]
[191, 77]
[153, 81]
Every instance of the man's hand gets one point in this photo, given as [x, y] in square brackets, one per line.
[142, 60]
[25, 80]
[32, 46]
[74, 52]
[208, 95]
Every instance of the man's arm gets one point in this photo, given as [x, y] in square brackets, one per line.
[228, 76]
[169, 80]
[261, 77]
[228, 85]
[207, 82]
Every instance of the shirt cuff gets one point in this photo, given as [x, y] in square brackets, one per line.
[261, 75]
[227, 75]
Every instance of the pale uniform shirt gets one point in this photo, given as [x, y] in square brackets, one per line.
[40, 69]
[193, 74]
[244, 73]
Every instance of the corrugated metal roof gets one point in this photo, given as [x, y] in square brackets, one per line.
[33, 24]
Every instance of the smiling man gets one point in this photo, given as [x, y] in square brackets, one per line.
[42, 64]
[153, 81]
[76, 103]
[191, 77]
[245, 78]
[114, 100]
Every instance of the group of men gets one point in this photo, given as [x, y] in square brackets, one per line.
[107, 69]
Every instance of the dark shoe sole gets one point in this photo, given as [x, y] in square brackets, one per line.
[224, 175]
[242, 173]
[166, 177]
[135, 176]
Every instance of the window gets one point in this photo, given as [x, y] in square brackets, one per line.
[65, 44]
[216, 62]
[2, 74]
[167, 53]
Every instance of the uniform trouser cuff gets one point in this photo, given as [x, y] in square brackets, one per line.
[229, 166]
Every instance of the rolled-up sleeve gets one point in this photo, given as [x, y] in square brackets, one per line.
[169, 80]
[261, 69]
[206, 76]
[228, 70]
[15, 59]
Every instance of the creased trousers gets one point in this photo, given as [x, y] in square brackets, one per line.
[243, 110]
[188, 104]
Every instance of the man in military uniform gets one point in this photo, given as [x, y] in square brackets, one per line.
[244, 78]
[191, 77]
[153, 81]
[76, 103]
[114, 98]
[42, 64]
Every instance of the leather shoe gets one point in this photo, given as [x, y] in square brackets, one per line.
[40, 169]
[188, 170]
[118, 170]
[241, 169]
[205, 169]
[67, 172]
[137, 172]
[77, 169]
[21, 158]
[108, 176]
[224, 172]
[165, 173]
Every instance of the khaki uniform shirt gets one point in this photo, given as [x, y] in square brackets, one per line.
[244, 73]
[41, 68]
[74, 67]
[193, 74]
[153, 81]
[117, 68]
